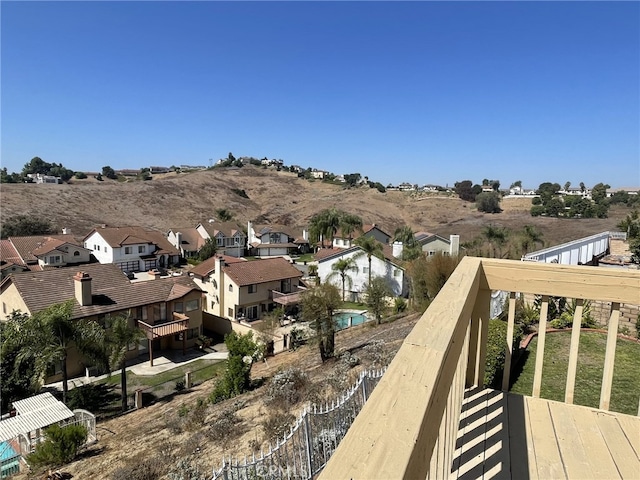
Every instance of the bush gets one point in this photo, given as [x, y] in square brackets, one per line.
[287, 387]
[60, 446]
[80, 175]
[496, 352]
[399, 305]
[277, 425]
[179, 387]
[488, 202]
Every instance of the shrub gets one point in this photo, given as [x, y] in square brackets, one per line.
[80, 175]
[496, 351]
[375, 354]
[226, 426]
[277, 425]
[60, 446]
[240, 192]
[488, 202]
[287, 387]
[141, 467]
[399, 305]
[179, 387]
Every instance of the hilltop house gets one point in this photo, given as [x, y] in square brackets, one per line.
[237, 289]
[344, 241]
[168, 310]
[229, 237]
[39, 252]
[132, 249]
[388, 268]
[275, 240]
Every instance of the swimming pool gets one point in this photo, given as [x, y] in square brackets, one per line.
[346, 319]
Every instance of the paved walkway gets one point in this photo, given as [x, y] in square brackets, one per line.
[173, 359]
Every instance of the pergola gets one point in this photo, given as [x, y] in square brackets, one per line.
[178, 325]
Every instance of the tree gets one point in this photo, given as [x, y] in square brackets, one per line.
[318, 304]
[410, 248]
[325, 224]
[80, 175]
[530, 236]
[119, 337]
[109, 172]
[582, 187]
[61, 445]
[488, 202]
[599, 193]
[439, 269]
[208, 250]
[25, 225]
[36, 165]
[496, 185]
[517, 183]
[496, 236]
[464, 190]
[224, 215]
[341, 268]
[352, 179]
[377, 292]
[349, 224]
[547, 190]
[48, 336]
[371, 248]
[567, 185]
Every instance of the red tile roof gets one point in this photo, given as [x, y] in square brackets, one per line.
[261, 271]
[26, 246]
[8, 253]
[209, 265]
[192, 241]
[228, 229]
[119, 236]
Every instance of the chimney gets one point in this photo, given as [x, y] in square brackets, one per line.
[454, 245]
[66, 231]
[178, 240]
[397, 249]
[153, 274]
[82, 282]
[305, 234]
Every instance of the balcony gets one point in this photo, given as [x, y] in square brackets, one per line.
[429, 417]
[179, 324]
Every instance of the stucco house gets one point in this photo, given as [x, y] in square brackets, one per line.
[229, 236]
[341, 240]
[275, 240]
[39, 252]
[241, 290]
[432, 243]
[168, 310]
[187, 241]
[388, 268]
[132, 249]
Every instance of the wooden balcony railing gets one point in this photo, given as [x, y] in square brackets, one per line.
[408, 427]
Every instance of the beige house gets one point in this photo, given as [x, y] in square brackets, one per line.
[241, 290]
[430, 243]
[341, 240]
[168, 310]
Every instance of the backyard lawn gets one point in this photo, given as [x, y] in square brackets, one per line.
[626, 380]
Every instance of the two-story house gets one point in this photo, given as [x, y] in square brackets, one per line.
[431, 243]
[342, 240]
[242, 290]
[38, 252]
[133, 249]
[187, 241]
[275, 240]
[388, 268]
[168, 310]
[229, 237]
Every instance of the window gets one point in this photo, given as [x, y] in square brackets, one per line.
[98, 247]
[274, 238]
[141, 248]
[4, 307]
[432, 253]
[192, 305]
[54, 259]
[230, 288]
[105, 249]
[220, 241]
[365, 270]
[163, 311]
[253, 288]
[230, 312]
[77, 253]
[127, 250]
[178, 307]
[396, 272]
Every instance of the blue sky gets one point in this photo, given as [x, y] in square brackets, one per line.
[425, 92]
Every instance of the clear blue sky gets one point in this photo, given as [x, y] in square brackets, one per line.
[425, 92]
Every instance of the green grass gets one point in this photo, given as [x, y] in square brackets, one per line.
[201, 370]
[307, 257]
[626, 381]
[353, 306]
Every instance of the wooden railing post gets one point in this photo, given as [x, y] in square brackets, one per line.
[506, 374]
[542, 331]
[573, 352]
[610, 356]
[479, 331]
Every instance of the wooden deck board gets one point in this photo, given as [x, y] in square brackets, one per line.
[522, 437]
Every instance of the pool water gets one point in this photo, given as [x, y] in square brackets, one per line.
[342, 319]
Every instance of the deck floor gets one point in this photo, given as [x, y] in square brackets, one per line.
[509, 436]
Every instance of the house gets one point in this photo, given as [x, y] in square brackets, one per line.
[388, 268]
[229, 236]
[432, 243]
[341, 240]
[237, 289]
[187, 240]
[38, 252]
[168, 310]
[40, 178]
[132, 249]
[275, 240]
[318, 174]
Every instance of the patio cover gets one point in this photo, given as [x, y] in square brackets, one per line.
[34, 413]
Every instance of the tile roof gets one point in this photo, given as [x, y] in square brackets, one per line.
[261, 271]
[274, 228]
[192, 241]
[119, 236]
[228, 229]
[111, 290]
[323, 253]
[25, 246]
[387, 253]
[8, 253]
[209, 265]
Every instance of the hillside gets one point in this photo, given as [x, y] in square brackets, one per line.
[181, 200]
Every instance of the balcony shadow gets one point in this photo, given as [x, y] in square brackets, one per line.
[491, 437]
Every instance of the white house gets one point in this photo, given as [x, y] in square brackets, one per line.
[133, 249]
[229, 237]
[341, 240]
[389, 269]
[430, 243]
[275, 240]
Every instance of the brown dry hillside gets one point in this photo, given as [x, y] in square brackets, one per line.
[181, 200]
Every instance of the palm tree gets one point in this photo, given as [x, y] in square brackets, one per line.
[49, 335]
[325, 224]
[342, 268]
[349, 224]
[371, 248]
[530, 237]
[119, 337]
[495, 236]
